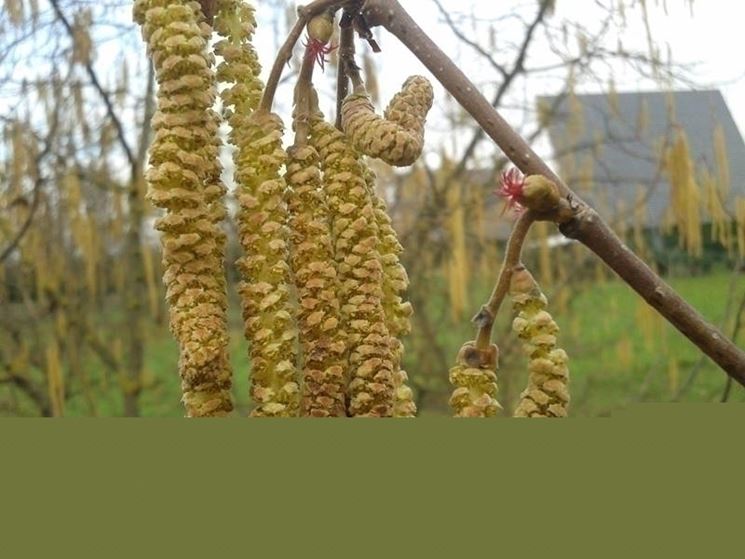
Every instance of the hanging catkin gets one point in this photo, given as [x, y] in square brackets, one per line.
[398, 137]
[397, 311]
[314, 270]
[240, 68]
[265, 286]
[261, 217]
[356, 247]
[475, 380]
[182, 168]
[546, 394]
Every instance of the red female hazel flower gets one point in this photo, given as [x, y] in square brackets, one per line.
[513, 183]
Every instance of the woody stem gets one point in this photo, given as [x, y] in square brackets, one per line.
[485, 317]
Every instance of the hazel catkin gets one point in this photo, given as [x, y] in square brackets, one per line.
[183, 178]
[268, 314]
[547, 394]
[474, 377]
[398, 137]
[397, 311]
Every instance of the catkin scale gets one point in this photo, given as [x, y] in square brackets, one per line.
[183, 178]
[547, 394]
[398, 137]
[371, 383]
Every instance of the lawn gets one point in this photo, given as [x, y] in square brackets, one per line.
[620, 352]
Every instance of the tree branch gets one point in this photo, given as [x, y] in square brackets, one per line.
[97, 84]
[485, 317]
[304, 13]
[586, 225]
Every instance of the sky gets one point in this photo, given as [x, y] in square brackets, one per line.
[707, 38]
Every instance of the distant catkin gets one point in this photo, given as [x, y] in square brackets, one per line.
[397, 311]
[547, 394]
[398, 137]
[356, 247]
[183, 179]
[314, 271]
[475, 380]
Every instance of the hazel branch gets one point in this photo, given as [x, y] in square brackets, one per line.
[284, 55]
[485, 317]
[303, 94]
[583, 223]
[346, 54]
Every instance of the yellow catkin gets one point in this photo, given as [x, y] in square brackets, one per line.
[720, 220]
[398, 137]
[397, 311]
[148, 267]
[740, 225]
[262, 217]
[182, 180]
[214, 189]
[314, 270]
[356, 246]
[265, 287]
[240, 68]
[685, 195]
[475, 380]
[547, 394]
[55, 380]
[722, 160]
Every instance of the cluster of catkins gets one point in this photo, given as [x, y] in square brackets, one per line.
[321, 281]
[474, 375]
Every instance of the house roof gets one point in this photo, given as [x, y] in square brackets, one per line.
[615, 141]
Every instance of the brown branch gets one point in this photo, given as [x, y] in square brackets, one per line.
[34, 392]
[304, 95]
[585, 225]
[146, 118]
[509, 77]
[38, 181]
[594, 233]
[346, 53]
[284, 55]
[470, 42]
[97, 85]
[735, 332]
[485, 317]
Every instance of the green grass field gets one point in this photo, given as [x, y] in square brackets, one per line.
[621, 353]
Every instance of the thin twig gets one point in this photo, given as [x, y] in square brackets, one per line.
[284, 55]
[303, 94]
[485, 317]
[735, 332]
[38, 181]
[99, 88]
[346, 52]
